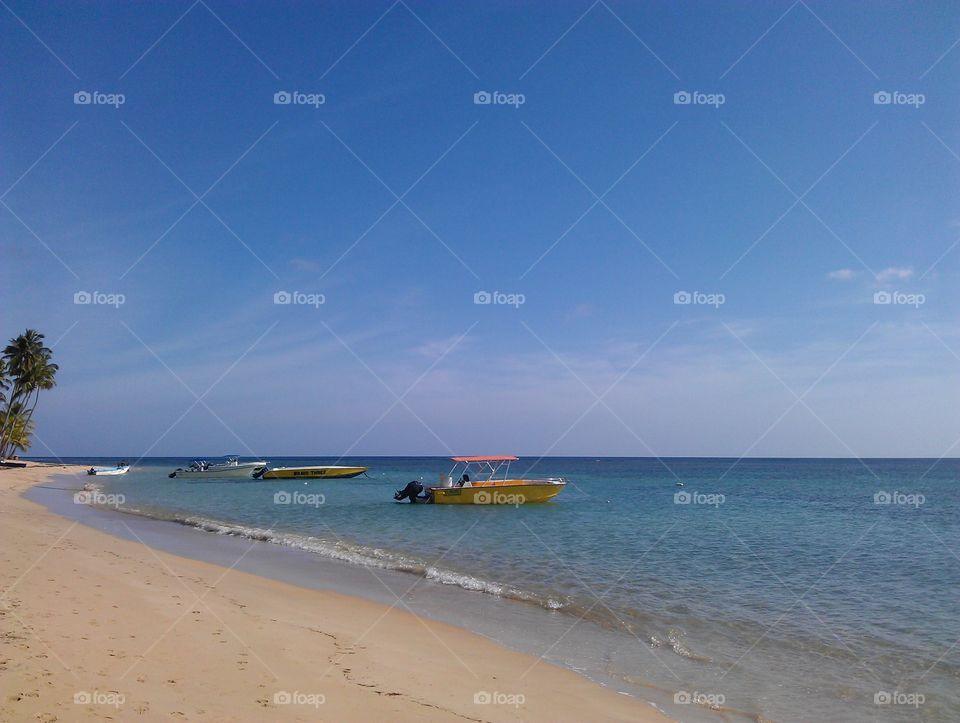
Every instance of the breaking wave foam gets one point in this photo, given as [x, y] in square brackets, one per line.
[358, 555]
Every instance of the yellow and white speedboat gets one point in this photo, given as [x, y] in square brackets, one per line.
[319, 471]
[490, 488]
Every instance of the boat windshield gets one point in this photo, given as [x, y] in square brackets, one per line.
[482, 467]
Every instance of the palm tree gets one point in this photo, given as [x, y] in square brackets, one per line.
[28, 363]
[20, 429]
[41, 375]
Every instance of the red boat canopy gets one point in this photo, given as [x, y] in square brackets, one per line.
[484, 459]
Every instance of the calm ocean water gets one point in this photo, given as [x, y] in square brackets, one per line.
[782, 589]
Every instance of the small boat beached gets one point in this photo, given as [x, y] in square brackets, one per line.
[318, 471]
[121, 468]
[231, 467]
[489, 489]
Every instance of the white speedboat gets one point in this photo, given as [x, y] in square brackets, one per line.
[230, 467]
[121, 468]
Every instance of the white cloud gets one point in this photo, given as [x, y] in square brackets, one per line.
[841, 274]
[435, 348]
[895, 273]
[698, 391]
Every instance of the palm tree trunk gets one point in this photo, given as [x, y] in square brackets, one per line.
[36, 399]
[14, 393]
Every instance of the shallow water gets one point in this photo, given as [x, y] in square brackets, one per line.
[780, 588]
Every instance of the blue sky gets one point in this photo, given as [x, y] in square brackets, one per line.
[784, 194]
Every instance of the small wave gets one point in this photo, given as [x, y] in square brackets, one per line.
[675, 642]
[469, 582]
[356, 555]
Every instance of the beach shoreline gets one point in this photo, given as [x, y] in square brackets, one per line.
[95, 626]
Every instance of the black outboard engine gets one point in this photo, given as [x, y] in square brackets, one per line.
[410, 492]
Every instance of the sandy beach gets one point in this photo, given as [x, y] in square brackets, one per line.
[93, 627]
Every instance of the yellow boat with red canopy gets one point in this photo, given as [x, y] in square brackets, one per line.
[492, 484]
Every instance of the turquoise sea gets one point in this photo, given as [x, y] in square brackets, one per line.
[770, 588]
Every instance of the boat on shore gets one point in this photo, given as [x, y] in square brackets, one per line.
[231, 467]
[492, 485]
[120, 468]
[314, 472]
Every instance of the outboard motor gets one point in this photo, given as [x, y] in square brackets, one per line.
[410, 492]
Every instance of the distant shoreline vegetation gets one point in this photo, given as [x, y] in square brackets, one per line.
[26, 369]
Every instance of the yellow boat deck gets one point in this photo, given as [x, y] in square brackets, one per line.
[498, 492]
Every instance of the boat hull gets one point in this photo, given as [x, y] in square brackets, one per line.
[499, 492]
[107, 471]
[321, 472]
